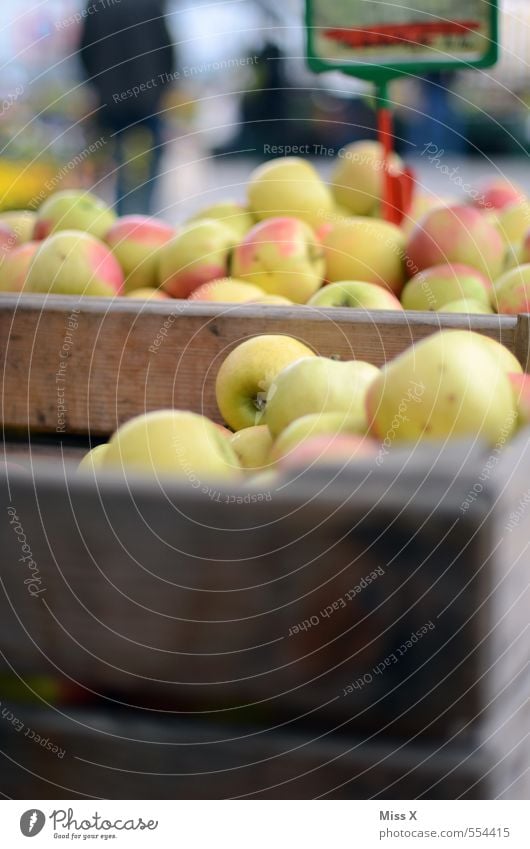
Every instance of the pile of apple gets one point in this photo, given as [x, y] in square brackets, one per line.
[295, 240]
[286, 408]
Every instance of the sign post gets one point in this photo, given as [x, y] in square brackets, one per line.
[379, 40]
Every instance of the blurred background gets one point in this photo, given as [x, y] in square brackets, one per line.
[239, 84]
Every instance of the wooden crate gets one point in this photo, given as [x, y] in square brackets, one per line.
[190, 603]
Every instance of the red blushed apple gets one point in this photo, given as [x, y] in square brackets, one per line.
[521, 387]
[135, 241]
[8, 239]
[497, 194]
[200, 252]
[74, 263]
[456, 234]
[283, 257]
[15, 266]
[335, 449]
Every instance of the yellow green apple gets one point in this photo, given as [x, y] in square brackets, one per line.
[511, 292]
[313, 424]
[147, 293]
[357, 179]
[513, 222]
[231, 213]
[172, 442]
[456, 234]
[365, 249]
[273, 300]
[434, 287]
[446, 386]
[93, 461]
[227, 290]
[319, 385]
[135, 241]
[246, 374]
[198, 253]
[356, 295]
[73, 209]
[283, 257]
[74, 263]
[289, 187]
[471, 306]
[252, 446]
[21, 222]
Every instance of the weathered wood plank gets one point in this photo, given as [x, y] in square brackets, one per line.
[113, 360]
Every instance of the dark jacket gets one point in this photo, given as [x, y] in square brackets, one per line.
[128, 57]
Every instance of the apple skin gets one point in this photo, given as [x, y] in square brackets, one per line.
[511, 292]
[15, 265]
[504, 358]
[227, 290]
[197, 254]
[521, 388]
[367, 250]
[330, 449]
[319, 385]
[231, 213]
[456, 234]
[513, 222]
[147, 293]
[74, 263]
[135, 241]
[252, 446]
[73, 209]
[21, 222]
[172, 442]
[93, 461]
[357, 179]
[311, 425]
[273, 301]
[288, 187]
[497, 194]
[283, 257]
[431, 391]
[524, 254]
[421, 204]
[434, 287]
[356, 295]
[246, 374]
[469, 306]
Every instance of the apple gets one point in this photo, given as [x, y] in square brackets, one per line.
[148, 293]
[252, 446]
[467, 305]
[498, 194]
[231, 213]
[365, 249]
[247, 373]
[514, 256]
[357, 179]
[513, 222]
[172, 442]
[511, 292]
[314, 424]
[8, 239]
[447, 385]
[504, 358]
[272, 300]
[521, 388]
[524, 253]
[73, 209]
[21, 222]
[456, 234]
[93, 461]
[319, 385]
[355, 294]
[135, 241]
[15, 265]
[197, 254]
[74, 263]
[226, 290]
[283, 257]
[434, 287]
[288, 187]
[421, 204]
[336, 449]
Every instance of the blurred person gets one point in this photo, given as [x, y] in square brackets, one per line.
[129, 59]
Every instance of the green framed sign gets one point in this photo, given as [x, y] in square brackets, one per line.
[382, 39]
